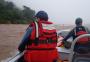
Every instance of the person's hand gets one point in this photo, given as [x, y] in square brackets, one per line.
[66, 44]
[63, 42]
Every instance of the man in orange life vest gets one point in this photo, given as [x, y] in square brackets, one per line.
[77, 31]
[40, 40]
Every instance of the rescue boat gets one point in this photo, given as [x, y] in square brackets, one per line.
[65, 55]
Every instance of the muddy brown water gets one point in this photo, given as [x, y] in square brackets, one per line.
[10, 36]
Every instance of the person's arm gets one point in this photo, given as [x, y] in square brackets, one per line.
[25, 39]
[70, 34]
[65, 43]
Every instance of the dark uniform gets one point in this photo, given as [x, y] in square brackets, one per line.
[75, 32]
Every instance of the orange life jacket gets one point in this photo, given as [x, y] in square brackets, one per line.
[43, 40]
[43, 36]
[81, 31]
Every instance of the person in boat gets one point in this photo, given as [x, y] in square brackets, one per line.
[75, 32]
[40, 40]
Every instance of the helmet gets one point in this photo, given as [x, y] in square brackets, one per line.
[42, 15]
[78, 21]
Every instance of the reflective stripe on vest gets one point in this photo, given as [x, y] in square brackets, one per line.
[48, 26]
[37, 33]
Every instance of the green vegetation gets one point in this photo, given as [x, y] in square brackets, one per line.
[9, 13]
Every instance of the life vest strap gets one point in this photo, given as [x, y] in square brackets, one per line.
[40, 48]
[44, 41]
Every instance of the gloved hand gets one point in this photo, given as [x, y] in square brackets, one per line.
[66, 44]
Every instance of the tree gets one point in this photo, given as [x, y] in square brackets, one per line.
[28, 13]
[12, 14]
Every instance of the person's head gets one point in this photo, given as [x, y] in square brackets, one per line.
[78, 21]
[42, 15]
